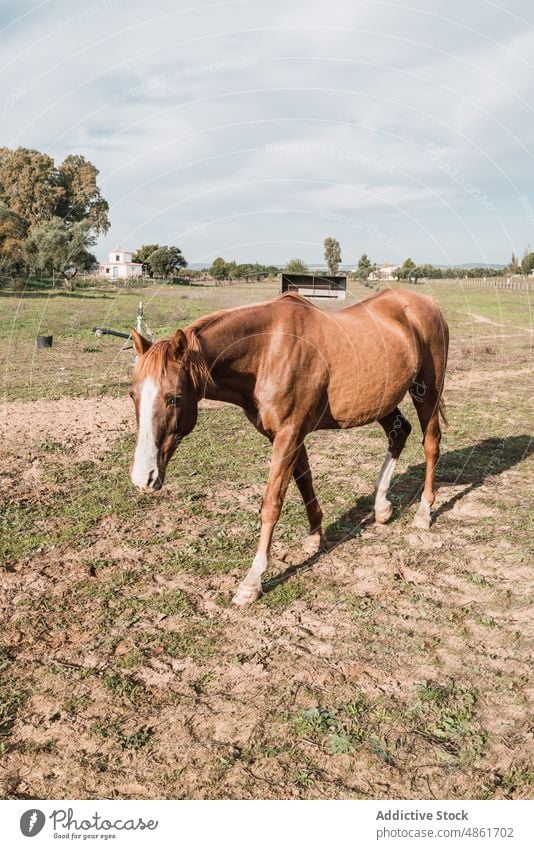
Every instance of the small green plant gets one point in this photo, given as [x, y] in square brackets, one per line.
[283, 594]
[316, 721]
[113, 730]
[445, 713]
[488, 621]
[12, 696]
[123, 686]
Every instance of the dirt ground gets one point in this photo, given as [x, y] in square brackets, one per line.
[397, 664]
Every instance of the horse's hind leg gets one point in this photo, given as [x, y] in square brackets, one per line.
[426, 399]
[303, 479]
[397, 430]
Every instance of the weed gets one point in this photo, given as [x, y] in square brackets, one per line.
[114, 730]
[123, 686]
[445, 713]
[284, 594]
[12, 696]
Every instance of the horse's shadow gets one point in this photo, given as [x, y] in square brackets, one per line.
[466, 467]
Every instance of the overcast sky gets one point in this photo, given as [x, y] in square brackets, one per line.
[252, 129]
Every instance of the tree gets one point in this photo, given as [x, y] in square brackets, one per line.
[81, 200]
[142, 254]
[220, 269]
[53, 247]
[365, 267]
[406, 269]
[166, 260]
[514, 264]
[29, 184]
[296, 266]
[527, 263]
[332, 254]
[244, 271]
[12, 234]
[36, 190]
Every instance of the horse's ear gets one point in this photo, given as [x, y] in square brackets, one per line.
[141, 344]
[179, 344]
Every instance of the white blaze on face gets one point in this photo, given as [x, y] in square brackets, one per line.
[146, 453]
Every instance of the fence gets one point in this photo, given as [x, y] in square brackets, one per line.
[519, 285]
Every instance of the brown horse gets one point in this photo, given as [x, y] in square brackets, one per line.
[295, 369]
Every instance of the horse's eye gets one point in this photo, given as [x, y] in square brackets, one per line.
[173, 400]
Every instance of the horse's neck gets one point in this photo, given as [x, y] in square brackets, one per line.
[231, 361]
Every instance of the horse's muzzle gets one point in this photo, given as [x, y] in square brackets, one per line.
[153, 483]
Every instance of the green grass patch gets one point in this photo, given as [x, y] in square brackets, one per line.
[284, 594]
[13, 695]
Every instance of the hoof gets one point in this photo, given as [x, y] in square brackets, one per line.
[422, 520]
[314, 543]
[246, 595]
[383, 515]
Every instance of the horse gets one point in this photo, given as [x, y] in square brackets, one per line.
[294, 369]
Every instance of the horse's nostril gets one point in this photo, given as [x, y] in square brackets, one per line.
[150, 478]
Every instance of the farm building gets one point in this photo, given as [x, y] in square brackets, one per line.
[387, 272]
[120, 265]
[315, 285]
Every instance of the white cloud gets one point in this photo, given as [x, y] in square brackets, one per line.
[243, 124]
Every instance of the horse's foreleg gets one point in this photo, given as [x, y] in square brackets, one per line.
[303, 479]
[286, 448]
[397, 430]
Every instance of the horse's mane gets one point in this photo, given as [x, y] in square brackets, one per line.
[161, 354]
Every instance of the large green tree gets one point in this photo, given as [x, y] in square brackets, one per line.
[527, 263]
[36, 190]
[332, 254]
[220, 269]
[365, 267]
[406, 269]
[142, 254]
[81, 200]
[166, 260]
[55, 248]
[12, 235]
[29, 184]
[296, 266]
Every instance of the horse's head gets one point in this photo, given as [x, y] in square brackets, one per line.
[168, 379]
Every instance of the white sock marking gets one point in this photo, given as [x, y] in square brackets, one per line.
[146, 452]
[259, 565]
[384, 480]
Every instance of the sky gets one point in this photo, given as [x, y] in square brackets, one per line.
[252, 130]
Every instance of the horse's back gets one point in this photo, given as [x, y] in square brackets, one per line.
[377, 352]
[342, 368]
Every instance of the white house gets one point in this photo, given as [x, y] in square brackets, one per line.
[387, 272]
[120, 265]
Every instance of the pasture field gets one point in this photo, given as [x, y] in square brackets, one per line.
[396, 664]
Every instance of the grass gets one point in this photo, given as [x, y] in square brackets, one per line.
[445, 713]
[442, 714]
[395, 665]
[283, 595]
[78, 362]
[12, 697]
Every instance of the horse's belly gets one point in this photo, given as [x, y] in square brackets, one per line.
[359, 398]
